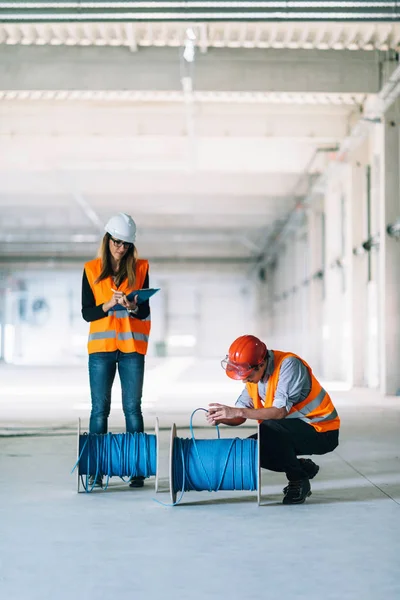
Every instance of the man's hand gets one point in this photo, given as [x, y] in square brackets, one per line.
[218, 413]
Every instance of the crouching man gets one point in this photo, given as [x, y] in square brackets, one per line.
[296, 414]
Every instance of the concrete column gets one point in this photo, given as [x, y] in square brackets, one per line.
[357, 271]
[390, 255]
[313, 353]
[301, 294]
[295, 332]
[3, 287]
[265, 307]
[334, 305]
[291, 302]
[287, 278]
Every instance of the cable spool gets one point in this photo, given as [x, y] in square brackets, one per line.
[213, 465]
[124, 455]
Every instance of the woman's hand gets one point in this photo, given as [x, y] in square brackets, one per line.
[115, 299]
[129, 305]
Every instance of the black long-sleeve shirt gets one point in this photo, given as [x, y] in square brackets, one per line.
[91, 312]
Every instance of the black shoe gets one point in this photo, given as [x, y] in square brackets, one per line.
[309, 467]
[297, 492]
[95, 481]
[136, 482]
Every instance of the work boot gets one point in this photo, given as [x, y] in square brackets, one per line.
[309, 467]
[297, 492]
[95, 481]
[136, 482]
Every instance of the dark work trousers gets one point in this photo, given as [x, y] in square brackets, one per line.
[102, 369]
[283, 440]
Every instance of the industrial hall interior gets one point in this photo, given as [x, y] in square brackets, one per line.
[200, 299]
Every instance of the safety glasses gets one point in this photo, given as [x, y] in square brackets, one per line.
[236, 371]
[119, 243]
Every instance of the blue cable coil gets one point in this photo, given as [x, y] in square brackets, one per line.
[213, 465]
[123, 455]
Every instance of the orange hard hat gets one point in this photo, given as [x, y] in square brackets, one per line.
[245, 354]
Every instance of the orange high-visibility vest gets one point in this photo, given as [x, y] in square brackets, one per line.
[117, 331]
[316, 410]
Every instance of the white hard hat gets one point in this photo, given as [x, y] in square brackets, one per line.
[122, 227]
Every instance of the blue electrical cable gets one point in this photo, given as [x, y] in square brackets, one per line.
[213, 465]
[124, 455]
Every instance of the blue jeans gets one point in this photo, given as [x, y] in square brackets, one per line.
[102, 368]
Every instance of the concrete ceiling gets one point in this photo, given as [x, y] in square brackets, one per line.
[215, 190]
[208, 165]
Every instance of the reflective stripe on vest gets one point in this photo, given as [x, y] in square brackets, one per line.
[316, 410]
[101, 335]
[132, 334]
[310, 406]
[117, 330]
[122, 314]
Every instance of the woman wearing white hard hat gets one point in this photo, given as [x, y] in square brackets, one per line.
[119, 327]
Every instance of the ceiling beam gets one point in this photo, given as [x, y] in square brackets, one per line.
[124, 132]
[227, 70]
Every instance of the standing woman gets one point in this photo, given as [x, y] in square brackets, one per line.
[117, 338]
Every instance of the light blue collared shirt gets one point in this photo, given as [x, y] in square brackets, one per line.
[294, 384]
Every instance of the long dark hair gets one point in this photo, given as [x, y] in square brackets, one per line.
[127, 268]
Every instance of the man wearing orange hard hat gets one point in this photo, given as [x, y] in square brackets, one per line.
[296, 414]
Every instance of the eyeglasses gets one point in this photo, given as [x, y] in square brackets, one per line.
[119, 243]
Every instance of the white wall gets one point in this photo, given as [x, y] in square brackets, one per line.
[347, 324]
[212, 307]
[42, 317]
[283, 301]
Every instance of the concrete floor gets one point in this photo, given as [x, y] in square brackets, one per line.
[343, 543]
